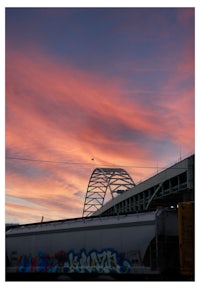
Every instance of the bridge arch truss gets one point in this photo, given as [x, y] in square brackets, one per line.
[102, 181]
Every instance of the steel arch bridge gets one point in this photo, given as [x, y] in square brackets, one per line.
[102, 180]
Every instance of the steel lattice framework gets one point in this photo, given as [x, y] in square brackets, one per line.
[115, 180]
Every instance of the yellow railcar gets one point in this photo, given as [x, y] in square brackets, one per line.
[186, 237]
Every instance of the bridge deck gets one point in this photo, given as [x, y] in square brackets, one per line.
[167, 188]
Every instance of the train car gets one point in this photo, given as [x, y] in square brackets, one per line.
[140, 244]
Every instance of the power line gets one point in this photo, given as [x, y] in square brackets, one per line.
[87, 164]
[44, 161]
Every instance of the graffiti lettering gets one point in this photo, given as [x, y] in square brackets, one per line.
[105, 261]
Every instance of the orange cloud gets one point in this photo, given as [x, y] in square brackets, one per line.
[58, 113]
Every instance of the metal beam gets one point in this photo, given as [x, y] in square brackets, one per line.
[101, 181]
[156, 191]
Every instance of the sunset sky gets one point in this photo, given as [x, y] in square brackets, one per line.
[93, 87]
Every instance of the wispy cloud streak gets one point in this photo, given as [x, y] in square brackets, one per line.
[64, 113]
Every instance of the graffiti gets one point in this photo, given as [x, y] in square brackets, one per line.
[105, 261]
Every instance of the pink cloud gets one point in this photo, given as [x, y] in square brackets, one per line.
[59, 113]
[185, 15]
